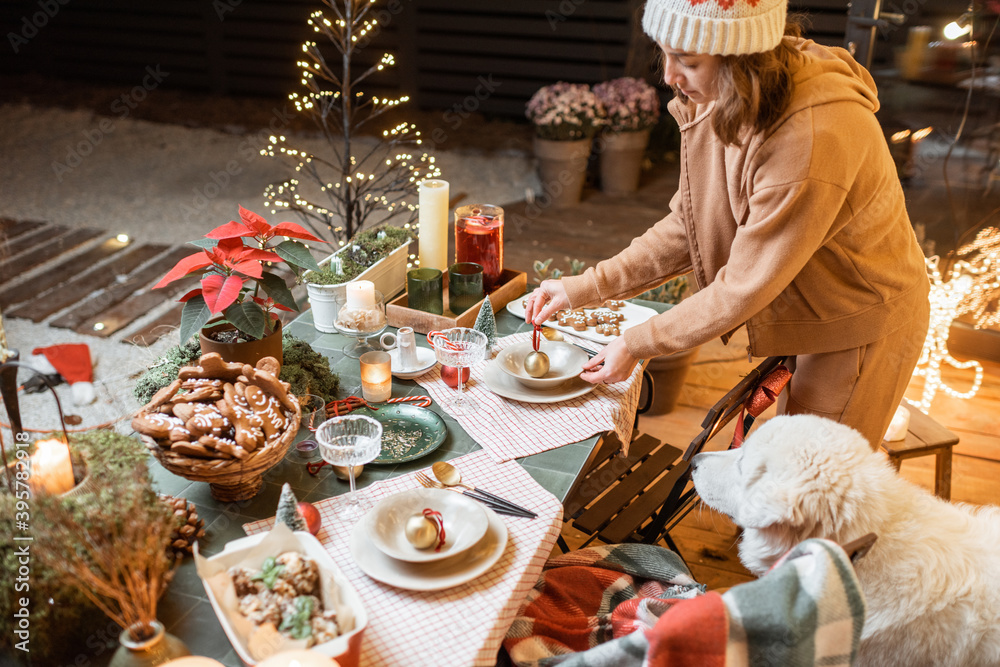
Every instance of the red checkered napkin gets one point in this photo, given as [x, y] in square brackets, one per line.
[511, 429]
[459, 626]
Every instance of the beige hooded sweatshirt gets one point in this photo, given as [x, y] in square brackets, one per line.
[800, 231]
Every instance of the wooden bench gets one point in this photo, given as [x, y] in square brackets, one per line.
[924, 437]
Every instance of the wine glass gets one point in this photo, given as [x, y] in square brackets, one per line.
[350, 441]
[460, 347]
[360, 323]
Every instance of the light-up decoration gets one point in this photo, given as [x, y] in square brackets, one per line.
[51, 468]
[945, 300]
[358, 180]
[122, 238]
[956, 29]
[981, 302]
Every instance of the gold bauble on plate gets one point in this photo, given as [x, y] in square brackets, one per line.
[536, 364]
[421, 532]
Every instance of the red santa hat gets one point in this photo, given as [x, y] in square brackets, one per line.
[72, 360]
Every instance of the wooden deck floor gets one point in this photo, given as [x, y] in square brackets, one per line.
[599, 227]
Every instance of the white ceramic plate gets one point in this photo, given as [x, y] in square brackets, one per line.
[465, 523]
[502, 384]
[425, 362]
[633, 313]
[437, 575]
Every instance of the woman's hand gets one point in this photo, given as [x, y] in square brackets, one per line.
[545, 301]
[612, 364]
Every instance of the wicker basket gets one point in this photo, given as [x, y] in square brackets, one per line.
[230, 479]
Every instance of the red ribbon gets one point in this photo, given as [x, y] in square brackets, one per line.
[439, 522]
[763, 397]
[536, 337]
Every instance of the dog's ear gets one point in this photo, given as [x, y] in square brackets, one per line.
[770, 505]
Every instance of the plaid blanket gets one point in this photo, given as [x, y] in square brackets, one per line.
[628, 605]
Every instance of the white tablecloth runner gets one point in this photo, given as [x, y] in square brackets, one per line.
[512, 429]
[460, 626]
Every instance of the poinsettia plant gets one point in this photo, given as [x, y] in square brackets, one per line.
[236, 283]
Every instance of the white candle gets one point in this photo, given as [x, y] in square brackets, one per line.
[433, 221]
[298, 659]
[51, 469]
[361, 294]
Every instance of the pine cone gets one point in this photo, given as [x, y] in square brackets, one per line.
[187, 528]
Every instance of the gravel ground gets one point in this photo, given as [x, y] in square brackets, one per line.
[154, 181]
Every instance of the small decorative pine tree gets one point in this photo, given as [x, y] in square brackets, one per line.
[358, 181]
[486, 322]
[288, 509]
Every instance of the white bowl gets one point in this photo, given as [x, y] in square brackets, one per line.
[565, 363]
[465, 523]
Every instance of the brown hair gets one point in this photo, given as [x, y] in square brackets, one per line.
[755, 89]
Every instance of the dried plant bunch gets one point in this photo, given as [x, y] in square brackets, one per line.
[113, 547]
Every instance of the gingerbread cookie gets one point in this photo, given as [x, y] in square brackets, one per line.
[608, 329]
[267, 408]
[608, 317]
[195, 449]
[155, 424]
[164, 395]
[211, 365]
[613, 304]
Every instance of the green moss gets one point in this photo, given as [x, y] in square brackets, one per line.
[307, 370]
[63, 622]
[355, 261]
[164, 370]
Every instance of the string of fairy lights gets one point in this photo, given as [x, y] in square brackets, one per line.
[338, 194]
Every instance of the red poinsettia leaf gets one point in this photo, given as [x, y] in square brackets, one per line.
[255, 222]
[220, 292]
[184, 267]
[257, 255]
[190, 295]
[249, 268]
[278, 306]
[230, 230]
[294, 231]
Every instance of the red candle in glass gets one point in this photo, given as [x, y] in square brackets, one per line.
[479, 239]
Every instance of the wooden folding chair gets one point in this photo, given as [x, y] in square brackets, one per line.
[642, 496]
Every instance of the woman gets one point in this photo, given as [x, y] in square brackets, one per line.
[789, 215]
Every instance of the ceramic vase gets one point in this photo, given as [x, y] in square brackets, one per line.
[562, 169]
[160, 648]
[621, 161]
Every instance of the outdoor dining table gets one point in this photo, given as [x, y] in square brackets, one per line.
[185, 609]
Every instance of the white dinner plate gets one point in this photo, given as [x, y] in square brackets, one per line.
[425, 361]
[634, 314]
[502, 384]
[435, 576]
[465, 523]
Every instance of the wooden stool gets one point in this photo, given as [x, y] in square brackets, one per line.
[925, 436]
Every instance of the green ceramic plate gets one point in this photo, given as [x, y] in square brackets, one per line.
[408, 432]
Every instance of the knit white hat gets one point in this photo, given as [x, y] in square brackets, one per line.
[716, 27]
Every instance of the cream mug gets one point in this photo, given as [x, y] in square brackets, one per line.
[405, 340]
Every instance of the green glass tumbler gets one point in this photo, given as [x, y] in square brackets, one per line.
[425, 290]
[465, 286]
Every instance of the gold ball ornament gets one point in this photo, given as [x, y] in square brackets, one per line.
[421, 532]
[536, 364]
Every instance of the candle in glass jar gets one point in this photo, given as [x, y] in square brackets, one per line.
[51, 469]
[361, 294]
[376, 376]
[433, 224]
[479, 240]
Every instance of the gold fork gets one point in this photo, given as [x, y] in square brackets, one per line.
[426, 481]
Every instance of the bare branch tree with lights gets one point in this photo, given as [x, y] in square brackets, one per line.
[358, 183]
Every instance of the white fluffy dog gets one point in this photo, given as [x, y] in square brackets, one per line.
[932, 580]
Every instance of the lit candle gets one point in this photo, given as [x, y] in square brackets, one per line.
[361, 294]
[51, 469]
[298, 659]
[433, 200]
[376, 376]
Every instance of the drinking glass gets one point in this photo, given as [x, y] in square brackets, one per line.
[349, 441]
[479, 239]
[465, 286]
[351, 322]
[425, 290]
[460, 347]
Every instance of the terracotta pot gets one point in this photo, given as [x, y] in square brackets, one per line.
[621, 161]
[562, 168]
[249, 352]
[668, 373]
